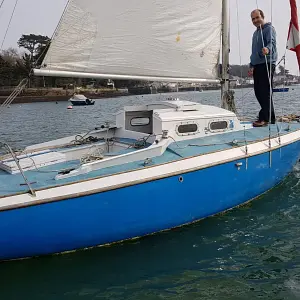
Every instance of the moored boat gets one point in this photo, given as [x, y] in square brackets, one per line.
[81, 100]
[280, 89]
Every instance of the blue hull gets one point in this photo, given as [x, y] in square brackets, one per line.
[140, 209]
[280, 90]
[83, 103]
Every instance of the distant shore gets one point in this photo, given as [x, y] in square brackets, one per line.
[32, 95]
[55, 95]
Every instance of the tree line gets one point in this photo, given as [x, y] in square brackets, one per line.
[242, 71]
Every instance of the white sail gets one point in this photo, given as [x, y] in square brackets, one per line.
[171, 39]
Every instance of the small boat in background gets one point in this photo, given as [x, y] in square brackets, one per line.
[280, 89]
[79, 99]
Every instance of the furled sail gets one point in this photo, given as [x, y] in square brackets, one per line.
[153, 40]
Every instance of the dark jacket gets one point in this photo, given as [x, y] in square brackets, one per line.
[269, 38]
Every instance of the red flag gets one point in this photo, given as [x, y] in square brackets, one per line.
[293, 42]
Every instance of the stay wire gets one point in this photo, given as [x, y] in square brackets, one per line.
[8, 23]
[269, 69]
[240, 57]
[1, 3]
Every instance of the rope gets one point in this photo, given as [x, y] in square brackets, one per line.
[92, 155]
[1, 3]
[81, 140]
[8, 22]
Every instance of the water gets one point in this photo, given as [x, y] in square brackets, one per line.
[251, 252]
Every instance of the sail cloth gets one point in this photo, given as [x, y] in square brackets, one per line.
[293, 42]
[127, 39]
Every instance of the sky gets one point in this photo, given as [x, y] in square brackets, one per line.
[42, 16]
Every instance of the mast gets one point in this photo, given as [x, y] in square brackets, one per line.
[226, 94]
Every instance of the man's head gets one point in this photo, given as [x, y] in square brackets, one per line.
[258, 17]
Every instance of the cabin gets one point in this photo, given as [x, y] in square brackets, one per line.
[182, 120]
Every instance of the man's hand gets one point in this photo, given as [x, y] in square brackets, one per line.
[250, 72]
[265, 51]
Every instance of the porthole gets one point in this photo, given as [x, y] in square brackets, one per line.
[139, 121]
[218, 125]
[187, 128]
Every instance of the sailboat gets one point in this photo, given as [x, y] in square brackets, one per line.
[161, 165]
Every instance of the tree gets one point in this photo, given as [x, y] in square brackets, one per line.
[11, 55]
[239, 71]
[282, 71]
[35, 44]
[41, 53]
[25, 65]
[10, 61]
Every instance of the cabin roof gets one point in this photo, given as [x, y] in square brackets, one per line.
[203, 111]
[179, 105]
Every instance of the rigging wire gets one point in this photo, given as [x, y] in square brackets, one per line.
[8, 23]
[240, 57]
[270, 78]
[1, 3]
[271, 87]
[269, 71]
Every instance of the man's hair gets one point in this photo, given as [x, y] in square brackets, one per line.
[260, 12]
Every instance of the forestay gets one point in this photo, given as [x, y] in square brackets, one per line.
[166, 39]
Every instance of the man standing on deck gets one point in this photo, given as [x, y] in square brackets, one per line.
[263, 50]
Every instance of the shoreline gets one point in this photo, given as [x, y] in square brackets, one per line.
[59, 98]
[53, 95]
